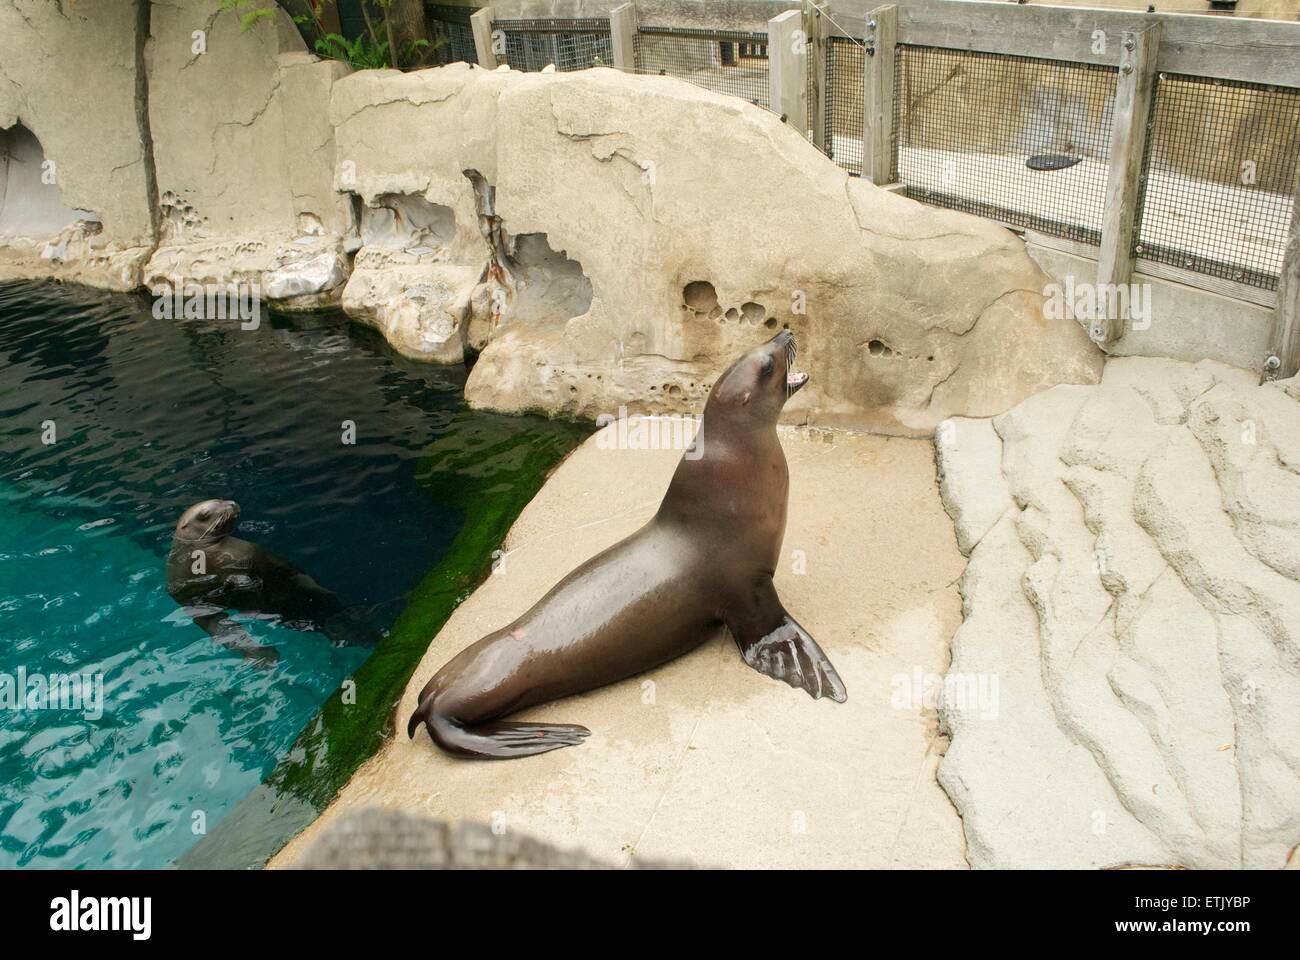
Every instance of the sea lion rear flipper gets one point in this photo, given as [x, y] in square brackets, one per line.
[494, 741]
[772, 642]
[351, 627]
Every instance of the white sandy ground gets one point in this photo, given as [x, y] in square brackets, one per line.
[1240, 226]
[704, 759]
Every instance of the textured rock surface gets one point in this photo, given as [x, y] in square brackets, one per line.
[977, 483]
[1140, 608]
[379, 839]
[672, 228]
[406, 281]
[243, 149]
[74, 182]
[704, 759]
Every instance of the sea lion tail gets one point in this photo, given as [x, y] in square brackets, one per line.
[496, 740]
[422, 714]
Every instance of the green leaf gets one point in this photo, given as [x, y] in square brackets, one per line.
[253, 16]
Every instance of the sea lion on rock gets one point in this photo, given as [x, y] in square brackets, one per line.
[706, 558]
[209, 572]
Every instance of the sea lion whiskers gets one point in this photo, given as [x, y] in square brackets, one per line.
[221, 518]
[791, 352]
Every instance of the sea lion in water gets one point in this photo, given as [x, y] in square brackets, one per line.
[209, 572]
[706, 558]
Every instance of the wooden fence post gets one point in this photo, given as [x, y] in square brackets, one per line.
[481, 23]
[622, 36]
[815, 34]
[787, 64]
[1134, 94]
[878, 95]
[1285, 340]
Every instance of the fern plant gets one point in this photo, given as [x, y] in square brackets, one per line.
[248, 17]
[366, 52]
[363, 53]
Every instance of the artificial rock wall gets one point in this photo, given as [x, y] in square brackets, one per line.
[596, 240]
[74, 170]
[242, 147]
[610, 239]
[149, 142]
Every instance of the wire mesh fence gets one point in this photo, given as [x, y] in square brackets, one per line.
[725, 61]
[845, 65]
[1023, 140]
[574, 44]
[450, 24]
[1219, 177]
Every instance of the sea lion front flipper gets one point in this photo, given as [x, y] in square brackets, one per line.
[234, 637]
[772, 642]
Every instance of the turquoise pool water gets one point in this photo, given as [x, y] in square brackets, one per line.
[150, 416]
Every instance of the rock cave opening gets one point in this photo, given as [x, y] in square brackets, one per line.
[31, 203]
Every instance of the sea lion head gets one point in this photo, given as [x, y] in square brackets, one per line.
[207, 521]
[758, 385]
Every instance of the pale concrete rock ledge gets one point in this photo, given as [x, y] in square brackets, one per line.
[1134, 587]
[704, 759]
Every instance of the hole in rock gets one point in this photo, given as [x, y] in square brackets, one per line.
[700, 296]
[29, 207]
[403, 221]
[550, 286]
[753, 312]
[878, 348]
[179, 218]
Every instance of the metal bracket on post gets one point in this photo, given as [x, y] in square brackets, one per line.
[878, 95]
[622, 37]
[815, 35]
[1134, 94]
[787, 63]
[481, 23]
[1284, 341]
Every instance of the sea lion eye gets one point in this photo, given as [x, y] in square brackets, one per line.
[768, 364]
